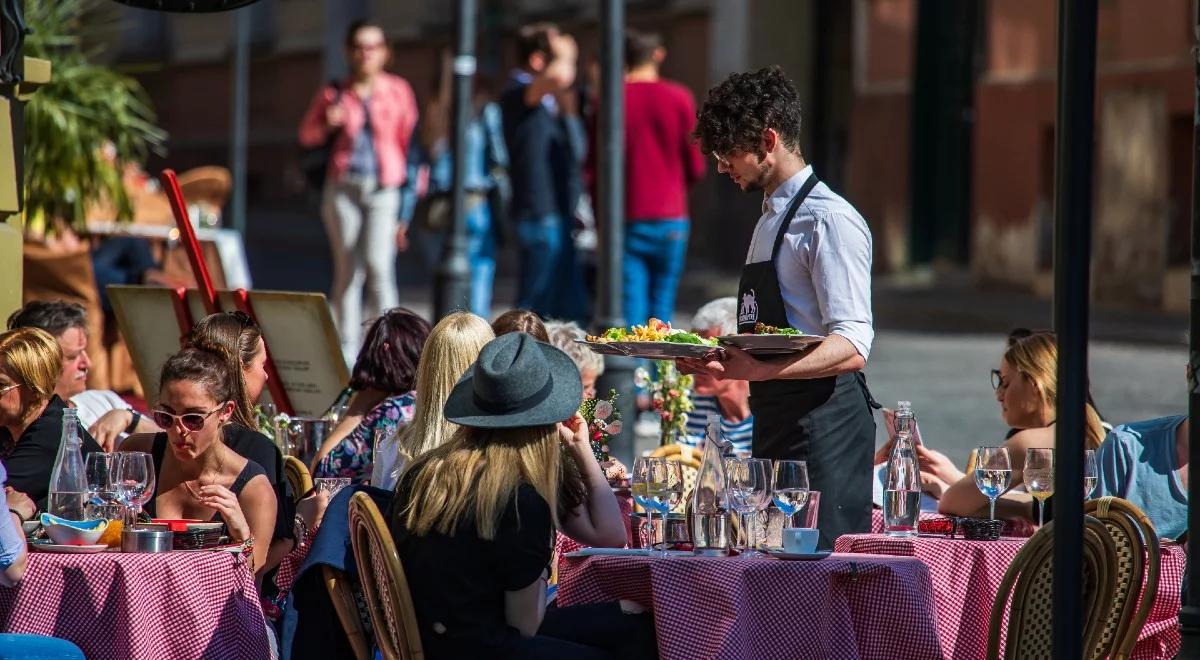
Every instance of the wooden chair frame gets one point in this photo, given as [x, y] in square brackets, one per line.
[390, 604]
[296, 472]
[1127, 613]
[341, 592]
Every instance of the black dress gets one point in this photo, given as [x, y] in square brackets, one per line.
[30, 460]
[251, 470]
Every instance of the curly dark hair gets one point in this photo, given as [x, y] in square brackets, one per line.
[737, 111]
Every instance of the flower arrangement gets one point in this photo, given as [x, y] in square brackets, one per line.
[604, 421]
[670, 393]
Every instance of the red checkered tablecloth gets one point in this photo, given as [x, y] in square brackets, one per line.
[843, 606]
[966, 576]
[171, 605]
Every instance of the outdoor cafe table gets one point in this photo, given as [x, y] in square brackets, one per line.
[966, 576]
[172, 605]
[843, 606]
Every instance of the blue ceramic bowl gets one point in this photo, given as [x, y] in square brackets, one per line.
[73, 532]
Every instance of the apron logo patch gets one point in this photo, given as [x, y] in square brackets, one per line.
[749, 309]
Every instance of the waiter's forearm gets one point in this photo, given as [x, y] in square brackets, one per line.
[833, 357]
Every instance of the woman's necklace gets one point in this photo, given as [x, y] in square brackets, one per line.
[188, 485]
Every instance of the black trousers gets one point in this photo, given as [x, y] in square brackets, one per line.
[599, 631]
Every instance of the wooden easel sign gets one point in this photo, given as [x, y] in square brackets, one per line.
[297, 327]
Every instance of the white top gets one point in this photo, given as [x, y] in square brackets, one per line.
[92, 404]
[824, 264]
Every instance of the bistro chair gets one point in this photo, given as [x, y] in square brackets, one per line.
[687, 456]
[389, 601]
[1029, 582]
[1136, 567]
[350, 608]
[298, 477]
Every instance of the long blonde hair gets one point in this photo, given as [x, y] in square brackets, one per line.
[477, 474]
[451, 348]
[1036, 356]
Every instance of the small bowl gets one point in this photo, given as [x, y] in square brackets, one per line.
[73, 532]
[30, 526]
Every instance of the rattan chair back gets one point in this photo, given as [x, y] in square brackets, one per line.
[1136, 568]
[296, 472]
[384, 585]
[350, 612]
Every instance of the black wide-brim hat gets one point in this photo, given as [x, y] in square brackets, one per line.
[516, 382]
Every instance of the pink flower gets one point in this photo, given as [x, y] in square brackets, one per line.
[603, 409]
[674, 394]
[614, 427]
[666, 416]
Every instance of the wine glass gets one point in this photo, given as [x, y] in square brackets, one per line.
[1090, 473]
[1039, 477]
[649, 488]
[789, 488]
[101, 480]
[670, 474]
[993, 471]
[135, 482]
[749, 493]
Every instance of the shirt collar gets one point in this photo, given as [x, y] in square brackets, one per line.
[779, 199]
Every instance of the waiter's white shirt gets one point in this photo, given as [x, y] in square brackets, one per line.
[824, 264]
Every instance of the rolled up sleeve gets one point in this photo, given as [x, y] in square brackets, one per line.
[841, 276]
[12, 539]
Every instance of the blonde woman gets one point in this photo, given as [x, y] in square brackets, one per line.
[474, 518]
[1026, 385]
[449, 351]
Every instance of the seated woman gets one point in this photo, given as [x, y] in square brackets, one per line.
[1026, 385]
[200, 477]
[383, 379]
[474, 518]
[520, 320]
[31, 415]
[565, 336]
[1147, 464]
[451, 349]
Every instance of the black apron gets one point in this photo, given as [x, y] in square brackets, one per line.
[828, 422]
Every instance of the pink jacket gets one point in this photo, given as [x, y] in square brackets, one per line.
[393, 116]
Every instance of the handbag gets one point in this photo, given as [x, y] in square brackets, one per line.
[314, 161]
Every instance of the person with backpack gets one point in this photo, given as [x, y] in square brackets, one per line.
[365, 124]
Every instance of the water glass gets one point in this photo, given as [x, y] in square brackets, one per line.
[749, 492]
[789, 487]
[1091, 473]
[135, 482]
[650, 489]
[101, 480]
[993, 472]
[330, 485]
[1039, 477]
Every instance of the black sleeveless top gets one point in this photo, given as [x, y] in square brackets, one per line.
[251, 470]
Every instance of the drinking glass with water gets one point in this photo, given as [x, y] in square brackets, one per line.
[993, 472]
[902, 478]
[789, 488]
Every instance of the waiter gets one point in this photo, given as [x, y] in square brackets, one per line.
[809, 268]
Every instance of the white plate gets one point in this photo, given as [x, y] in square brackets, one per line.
[771, 344]
[807, 556]
[666, 350]
[69, 549]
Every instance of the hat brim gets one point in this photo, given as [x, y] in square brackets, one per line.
[560, 404]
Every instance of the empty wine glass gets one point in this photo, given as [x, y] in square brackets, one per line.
[1090, 473]
[101, 480]
[135, 482]
[993, 471]
[1039, 476]
[749, 492]
[789, 487]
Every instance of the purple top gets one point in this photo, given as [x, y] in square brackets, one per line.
[12, 539]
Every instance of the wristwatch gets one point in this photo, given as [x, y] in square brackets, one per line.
[133, 421]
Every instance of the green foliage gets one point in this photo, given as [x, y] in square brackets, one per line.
[83, 128]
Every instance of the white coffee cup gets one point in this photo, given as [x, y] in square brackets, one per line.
[800, 540]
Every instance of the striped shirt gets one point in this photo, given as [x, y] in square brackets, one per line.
[739, 433]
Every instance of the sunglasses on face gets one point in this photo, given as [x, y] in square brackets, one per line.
[4, 389]
[190, 421]
[998, 381]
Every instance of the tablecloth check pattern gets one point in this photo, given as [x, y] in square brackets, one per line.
[877, 519]
[844, 606]
[173, 605]
[1016, 528]
[966, 576]
[289, 568]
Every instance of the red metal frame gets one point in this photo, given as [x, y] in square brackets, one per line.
[182, 314]
[188, 235]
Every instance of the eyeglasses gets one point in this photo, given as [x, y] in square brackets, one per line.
[721, 160]
[5, 389]
[190, 421]
[998, 381]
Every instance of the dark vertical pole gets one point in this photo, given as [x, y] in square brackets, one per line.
[610, 191]
[1189, 616]
[452, 286]
[241, 117]
[1072, 255]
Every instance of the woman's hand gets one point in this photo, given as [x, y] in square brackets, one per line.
[312, 508]
[20, 502]
[574, 432]
[938, 465]
[109, 427]
[932, 485]
[223, 501]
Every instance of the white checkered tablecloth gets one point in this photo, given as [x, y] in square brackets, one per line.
[843, 606]
[966, 576]
[172, 605]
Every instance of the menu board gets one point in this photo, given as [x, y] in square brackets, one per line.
[297, 328]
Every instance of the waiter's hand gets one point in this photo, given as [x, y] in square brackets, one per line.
[736, 365]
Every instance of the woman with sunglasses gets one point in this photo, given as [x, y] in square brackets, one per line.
[1026, 385]
[197, 476]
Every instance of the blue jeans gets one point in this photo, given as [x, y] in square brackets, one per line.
[481, 252]
[655, 251]
[551, 281]
[37, 647]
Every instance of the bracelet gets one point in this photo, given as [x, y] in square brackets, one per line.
[298, 521]
[133, 422]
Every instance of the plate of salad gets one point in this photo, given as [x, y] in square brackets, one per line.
[772, 340]
[656, 340]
